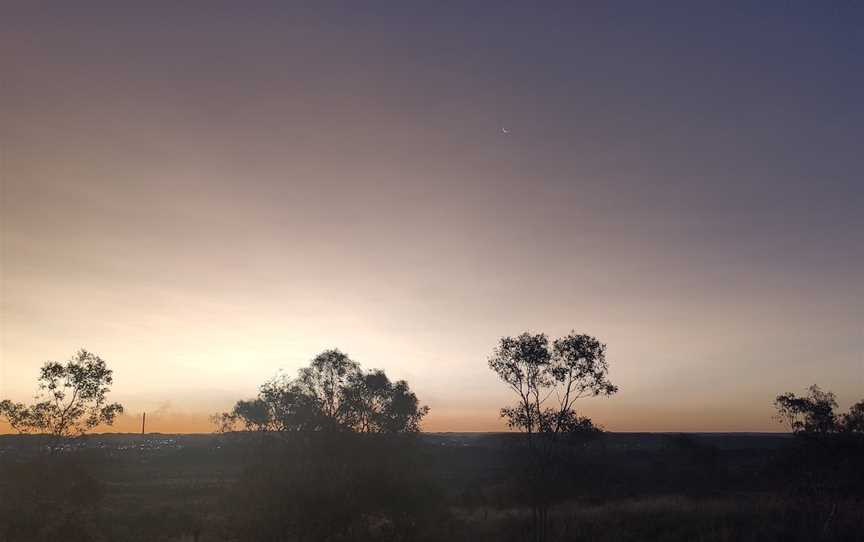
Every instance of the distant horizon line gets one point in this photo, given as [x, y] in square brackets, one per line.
[215, 433]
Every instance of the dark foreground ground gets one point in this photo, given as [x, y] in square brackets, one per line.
[446, 486]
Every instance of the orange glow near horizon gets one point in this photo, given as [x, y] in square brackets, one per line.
[208, 198]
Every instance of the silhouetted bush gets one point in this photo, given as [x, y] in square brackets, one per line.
[819, 465]
[50, 498]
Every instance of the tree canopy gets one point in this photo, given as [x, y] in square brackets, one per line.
[853, 421]
[814, 413]
[72, 399]
[332, 394]
[549, 379]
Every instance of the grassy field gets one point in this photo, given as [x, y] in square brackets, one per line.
[711, 487]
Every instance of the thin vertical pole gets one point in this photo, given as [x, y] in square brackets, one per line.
[143, 421]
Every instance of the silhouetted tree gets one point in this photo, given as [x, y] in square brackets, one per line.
[853, 421]
[352, 473]
[813, 413]
[548, 382]
[252, 415]
[332, 393]
[72, 400]
[824, 463]
[373, 404]
[281, 406]
[325, 381]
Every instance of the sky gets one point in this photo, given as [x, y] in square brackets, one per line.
[207, 194]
